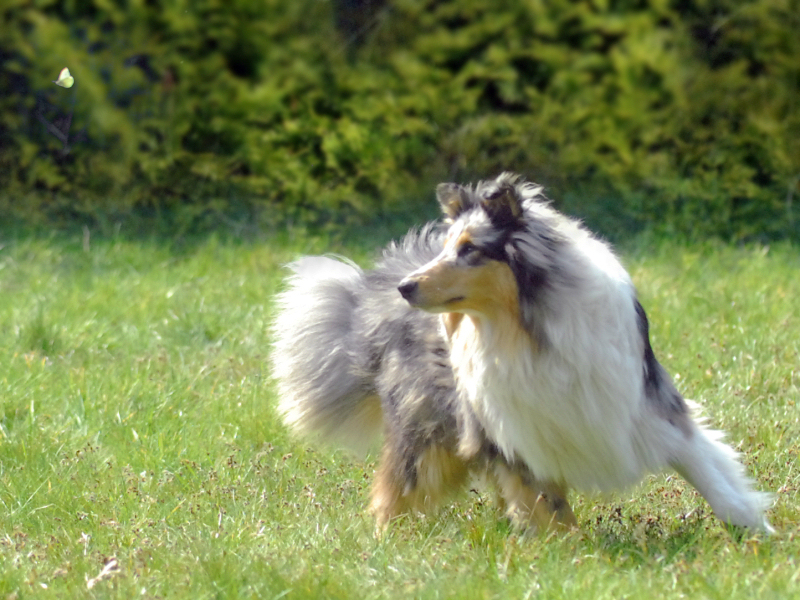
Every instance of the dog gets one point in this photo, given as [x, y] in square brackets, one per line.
[505, 341]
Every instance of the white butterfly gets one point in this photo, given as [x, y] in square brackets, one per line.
[65, 80]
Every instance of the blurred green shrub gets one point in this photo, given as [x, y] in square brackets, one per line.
[678, 115]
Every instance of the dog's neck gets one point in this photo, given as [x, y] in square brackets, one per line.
[489, 332]
[477, 346]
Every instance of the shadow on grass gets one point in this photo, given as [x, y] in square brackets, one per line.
[650, 540]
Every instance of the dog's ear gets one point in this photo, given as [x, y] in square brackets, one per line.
[503, 205]
[454, 199]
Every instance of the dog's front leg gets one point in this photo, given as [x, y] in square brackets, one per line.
[532, 504]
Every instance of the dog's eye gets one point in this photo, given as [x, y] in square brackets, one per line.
[468, 250]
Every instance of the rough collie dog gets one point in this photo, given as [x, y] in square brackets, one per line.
[505, 341]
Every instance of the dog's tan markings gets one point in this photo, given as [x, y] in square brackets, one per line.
[537, 505]
[451, 322]
[439, 472]
[387, 500]
[492, 288]
[464, 238]
[488, 289]
[453, 235]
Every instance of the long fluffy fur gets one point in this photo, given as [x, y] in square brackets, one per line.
[515, 347]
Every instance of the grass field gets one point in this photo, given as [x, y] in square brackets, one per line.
[140, 456]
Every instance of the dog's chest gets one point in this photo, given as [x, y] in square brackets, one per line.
[562, 421]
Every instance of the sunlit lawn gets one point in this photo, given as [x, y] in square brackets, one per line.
[140, 455]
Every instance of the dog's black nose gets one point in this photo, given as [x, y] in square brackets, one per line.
[407, 289]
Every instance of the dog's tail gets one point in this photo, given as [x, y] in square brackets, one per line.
[320, 387]
[714, 469]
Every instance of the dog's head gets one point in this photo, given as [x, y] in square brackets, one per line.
[500, 252]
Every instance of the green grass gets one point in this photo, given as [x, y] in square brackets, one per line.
[137, 423]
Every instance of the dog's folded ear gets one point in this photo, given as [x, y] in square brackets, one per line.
[454, 199]
[503, 205]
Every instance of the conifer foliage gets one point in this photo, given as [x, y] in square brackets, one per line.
[677, 114]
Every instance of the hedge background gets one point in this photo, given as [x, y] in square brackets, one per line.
[681, 115]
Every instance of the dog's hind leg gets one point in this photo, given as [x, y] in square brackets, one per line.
[418, 482]
[713, 469]
[388, 499]
[530, 503]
